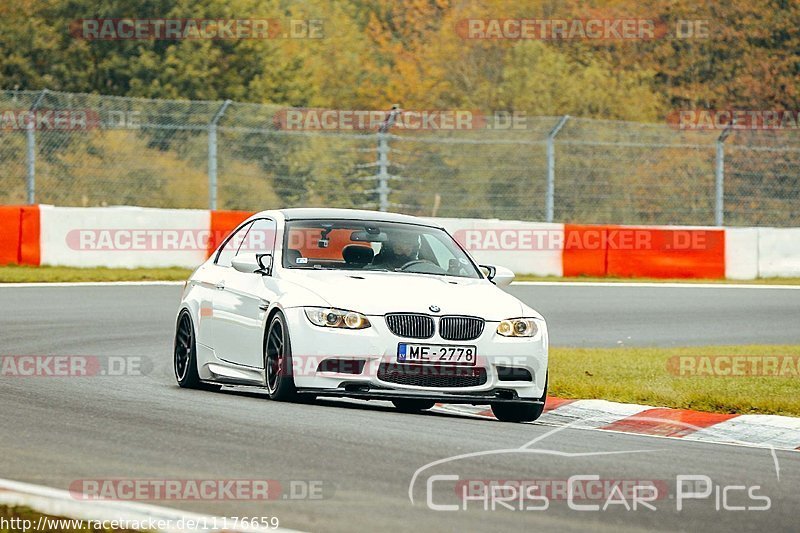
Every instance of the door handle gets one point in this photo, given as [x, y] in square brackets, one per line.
[220, 285]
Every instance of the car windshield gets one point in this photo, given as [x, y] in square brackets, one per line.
[381, 246]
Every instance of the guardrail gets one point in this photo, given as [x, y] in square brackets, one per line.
[132, 237]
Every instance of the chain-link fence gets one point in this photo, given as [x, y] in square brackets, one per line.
[89, 150]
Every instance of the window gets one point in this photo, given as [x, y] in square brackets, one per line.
[260, 238]
[439, 253]
[231, 246]
[366, 245]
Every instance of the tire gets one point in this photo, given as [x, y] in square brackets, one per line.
[517, 411]
[306, 398]
[278, 376]
[412, 406]
[185, 355]
[520, 411]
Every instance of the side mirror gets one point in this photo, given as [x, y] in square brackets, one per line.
[252, 263]
[500, 276]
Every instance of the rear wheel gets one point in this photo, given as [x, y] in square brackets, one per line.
[412, 406]
[278, 361]
[185, 355]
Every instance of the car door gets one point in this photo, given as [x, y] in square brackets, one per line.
[241, 306]
[211, 279]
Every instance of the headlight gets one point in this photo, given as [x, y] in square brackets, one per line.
[336, 318]
[518, 327]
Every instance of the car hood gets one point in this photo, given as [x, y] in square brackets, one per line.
[378, 293]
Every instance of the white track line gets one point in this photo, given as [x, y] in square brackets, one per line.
[93, 284]
[655, 285]
[516, 283]
[54, 502]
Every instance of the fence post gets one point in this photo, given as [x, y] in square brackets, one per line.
[719, 172]
[30, 131]
[383, 189]
[212, 155]
[551, 168]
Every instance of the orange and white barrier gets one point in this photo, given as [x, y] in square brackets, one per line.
[644, 251]
[133, 237]
[524, 247]
[123, 236]
[741, 253]
[778, 252]
[19, 237]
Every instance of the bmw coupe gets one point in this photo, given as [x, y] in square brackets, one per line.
[360, 304]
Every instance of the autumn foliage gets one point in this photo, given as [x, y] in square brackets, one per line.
[375, 53]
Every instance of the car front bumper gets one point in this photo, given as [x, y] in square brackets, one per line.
[376, 345]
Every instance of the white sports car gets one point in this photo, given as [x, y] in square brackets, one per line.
[360, 304]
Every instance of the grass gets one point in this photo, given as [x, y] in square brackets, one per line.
[52, 274]
[759, 281]
[643, 376]
[12, 519]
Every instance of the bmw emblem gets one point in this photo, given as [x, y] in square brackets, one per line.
[434, 308]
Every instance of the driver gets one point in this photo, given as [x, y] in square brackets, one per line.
[398, 251]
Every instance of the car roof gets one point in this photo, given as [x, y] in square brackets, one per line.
[306, 213]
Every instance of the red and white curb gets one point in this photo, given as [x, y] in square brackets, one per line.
[768, 431]
[60, 503]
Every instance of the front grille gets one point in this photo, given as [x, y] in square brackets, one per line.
[460, 328]
[410, 325]
[431, 376]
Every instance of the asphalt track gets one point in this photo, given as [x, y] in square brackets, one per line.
[58, 430]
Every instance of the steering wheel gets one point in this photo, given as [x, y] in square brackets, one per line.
[420, 261]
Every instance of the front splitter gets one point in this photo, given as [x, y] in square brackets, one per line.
[373, 393]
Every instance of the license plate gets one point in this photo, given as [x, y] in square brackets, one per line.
[437, 354]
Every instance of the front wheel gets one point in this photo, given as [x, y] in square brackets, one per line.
[517, 411]
[412, 406]
[521, 411]
[278, 361]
